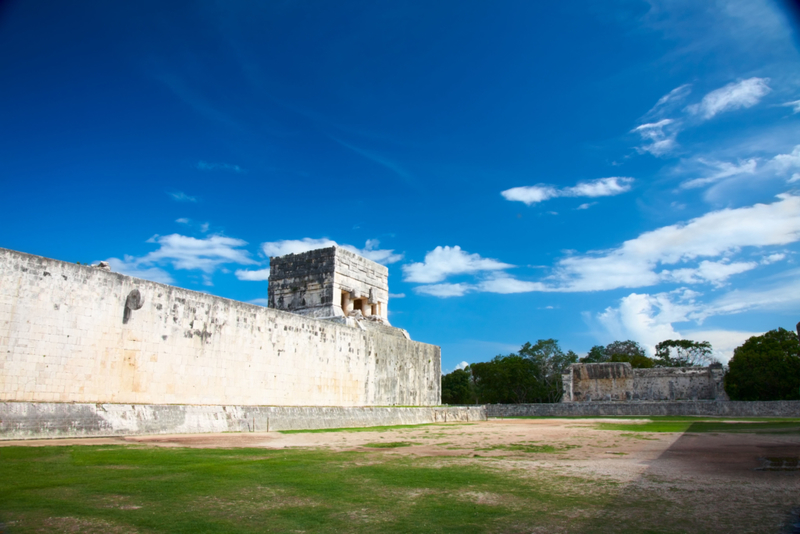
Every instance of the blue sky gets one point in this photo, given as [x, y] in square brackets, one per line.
[586, 172]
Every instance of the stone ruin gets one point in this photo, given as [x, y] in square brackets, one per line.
[587, 382]
[330, 283]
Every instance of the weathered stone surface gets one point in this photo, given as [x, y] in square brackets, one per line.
[703, 408]
[24, 420]
[64, 337]
[329, 282]
[592, 382]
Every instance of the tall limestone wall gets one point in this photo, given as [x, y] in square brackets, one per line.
[585, 382]
[72, 333]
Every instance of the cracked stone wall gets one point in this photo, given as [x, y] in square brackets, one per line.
[620, 382]
[73, 333]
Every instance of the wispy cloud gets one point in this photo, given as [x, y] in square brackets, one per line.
[180, 196]
[260, 275]
[720, 171]
[735, 95]
[659, 136]
[602, 187]
[185, 253]
[703, 250]
[227, 167]
[646, 260]
[795, 105]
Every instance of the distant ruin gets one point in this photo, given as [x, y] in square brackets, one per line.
[619, 382]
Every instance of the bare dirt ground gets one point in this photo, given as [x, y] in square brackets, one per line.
[713, 481]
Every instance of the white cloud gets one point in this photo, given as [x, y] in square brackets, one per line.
[795, 105]
[715, 272]
[586, 206]
[530, 194]
[445, 290]
[645, 318]
[735, 95]
[602, 187]
[505, 284]
[260, 302]
[180, 196]
[206, 166]
[714, 234]
[298, 246]
[648, 319]
[260, 275]
[442, 262]
[397, 295]
[785, 163]
[462, 365]
[182, 220]
[659, 136]
[190, 253]
[129, 266]
[772, 258]
[722, 170]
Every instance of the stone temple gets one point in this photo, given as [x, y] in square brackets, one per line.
[330, 283]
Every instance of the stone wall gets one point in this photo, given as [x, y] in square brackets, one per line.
[73, 333]
[645, 408]
[592, 382]
[26, 420]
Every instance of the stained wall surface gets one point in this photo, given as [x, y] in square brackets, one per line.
[620, 382]
[65, 336]
[312, 283]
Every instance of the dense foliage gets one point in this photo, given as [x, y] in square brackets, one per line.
[765, 367]
[531, 375]
[457, 387]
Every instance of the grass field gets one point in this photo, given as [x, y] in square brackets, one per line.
[488, 477]
[130, 489]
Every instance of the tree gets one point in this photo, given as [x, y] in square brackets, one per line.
[597, 354]
[765, 367]
[684, 353]
[457, 387]
[507, 379]
[550, 362]
[629, 351]
[532, 375]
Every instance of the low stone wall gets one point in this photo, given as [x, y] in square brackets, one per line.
[707, 408]
[28, 420]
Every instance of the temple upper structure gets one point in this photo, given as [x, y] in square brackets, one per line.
[329, 283]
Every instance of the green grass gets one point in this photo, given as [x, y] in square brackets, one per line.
[369, 428]
[727, 426]
[113, 489]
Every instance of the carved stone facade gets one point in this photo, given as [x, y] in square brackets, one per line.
[329, 283]
[586, 382]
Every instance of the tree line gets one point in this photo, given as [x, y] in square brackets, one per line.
[765, 367]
